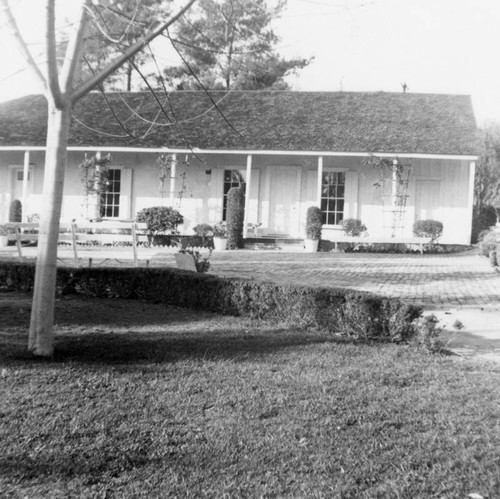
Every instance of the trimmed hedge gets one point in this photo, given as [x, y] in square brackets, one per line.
[355, 314]
[16, 211]
[235, 217]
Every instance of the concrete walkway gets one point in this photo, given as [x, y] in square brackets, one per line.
[460, 286]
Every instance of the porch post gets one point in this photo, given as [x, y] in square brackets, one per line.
[173, 174]
[26, 170]
[247, 195]
[470, 201]
[320, 180]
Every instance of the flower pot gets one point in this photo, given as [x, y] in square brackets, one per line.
[311, 245]
[220, 243]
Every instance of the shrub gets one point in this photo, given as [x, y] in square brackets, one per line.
[314, 223]
[487, 242]
[428, 228]
[482, 221]
[353, 226]
[427, 333]
[15, 211]
[220, 230]
[203, 230]
[235, 217]
[204, 234]
[358, 315]
[160, 219]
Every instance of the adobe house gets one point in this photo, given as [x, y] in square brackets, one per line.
[388, 159]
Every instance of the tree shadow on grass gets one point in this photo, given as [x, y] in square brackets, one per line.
[164, 347]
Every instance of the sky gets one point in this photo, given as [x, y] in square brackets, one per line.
[434, 46]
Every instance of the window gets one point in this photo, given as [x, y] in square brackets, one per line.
[232, 178]
[110, 200]
[20, 175]
[332, 197]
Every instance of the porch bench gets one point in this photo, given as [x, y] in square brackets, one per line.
[78, 233]
[343, 238]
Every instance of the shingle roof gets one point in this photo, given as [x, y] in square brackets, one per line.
[265, 120]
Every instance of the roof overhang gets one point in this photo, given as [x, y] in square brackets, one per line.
[159, 150]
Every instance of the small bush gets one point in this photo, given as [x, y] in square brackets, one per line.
[16, 211]
[428, 228]
[235, 217]
[204, 233]
[314, 223]
[220, 230]
[160, 219]
[353, 227]
[203, 230]
[358, 315]
[487, 242]
[482, 221]
[427, 333]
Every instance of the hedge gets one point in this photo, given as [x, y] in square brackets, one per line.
[355, 314]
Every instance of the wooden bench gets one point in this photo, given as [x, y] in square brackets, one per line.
[79, 234]
[343, 238]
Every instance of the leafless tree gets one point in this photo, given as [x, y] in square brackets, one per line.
[62, 89]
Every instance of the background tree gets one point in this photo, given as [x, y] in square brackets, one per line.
[487, 181]
[230, 44]
[63, 89]
[115, 27]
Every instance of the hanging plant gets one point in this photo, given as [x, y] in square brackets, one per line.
[94, 174]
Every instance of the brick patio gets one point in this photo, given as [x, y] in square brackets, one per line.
[436, 281]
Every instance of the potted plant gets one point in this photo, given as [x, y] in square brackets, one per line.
[4, 240]
[314, 224]
[220, 236]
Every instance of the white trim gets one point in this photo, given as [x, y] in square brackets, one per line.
[26, 176]
[153, 150]
[470, 203]
[248, 179]
[320, 181]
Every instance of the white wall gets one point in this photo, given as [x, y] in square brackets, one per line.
[198, 189]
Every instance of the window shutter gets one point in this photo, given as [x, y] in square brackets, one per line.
[351, 195]
[126, 193]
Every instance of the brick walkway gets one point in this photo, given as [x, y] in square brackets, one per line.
[437, 281]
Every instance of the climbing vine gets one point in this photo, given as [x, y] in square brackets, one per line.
[93, 173]
[392, 183]
[164, 167]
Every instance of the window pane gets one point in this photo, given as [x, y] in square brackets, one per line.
[333, 193]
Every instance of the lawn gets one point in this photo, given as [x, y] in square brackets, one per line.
[144, 400]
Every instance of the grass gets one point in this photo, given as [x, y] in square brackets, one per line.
[147, 401]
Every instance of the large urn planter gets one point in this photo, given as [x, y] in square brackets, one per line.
[220, 243]
[311, 245]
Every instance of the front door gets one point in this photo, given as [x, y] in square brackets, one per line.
[284, 199]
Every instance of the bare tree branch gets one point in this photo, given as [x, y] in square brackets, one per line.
[127, 54]
[52, 73]
[74, 48]
[21, 45]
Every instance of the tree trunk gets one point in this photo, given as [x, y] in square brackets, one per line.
[41, 335]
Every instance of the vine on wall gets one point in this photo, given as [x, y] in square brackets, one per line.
[93, 174]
